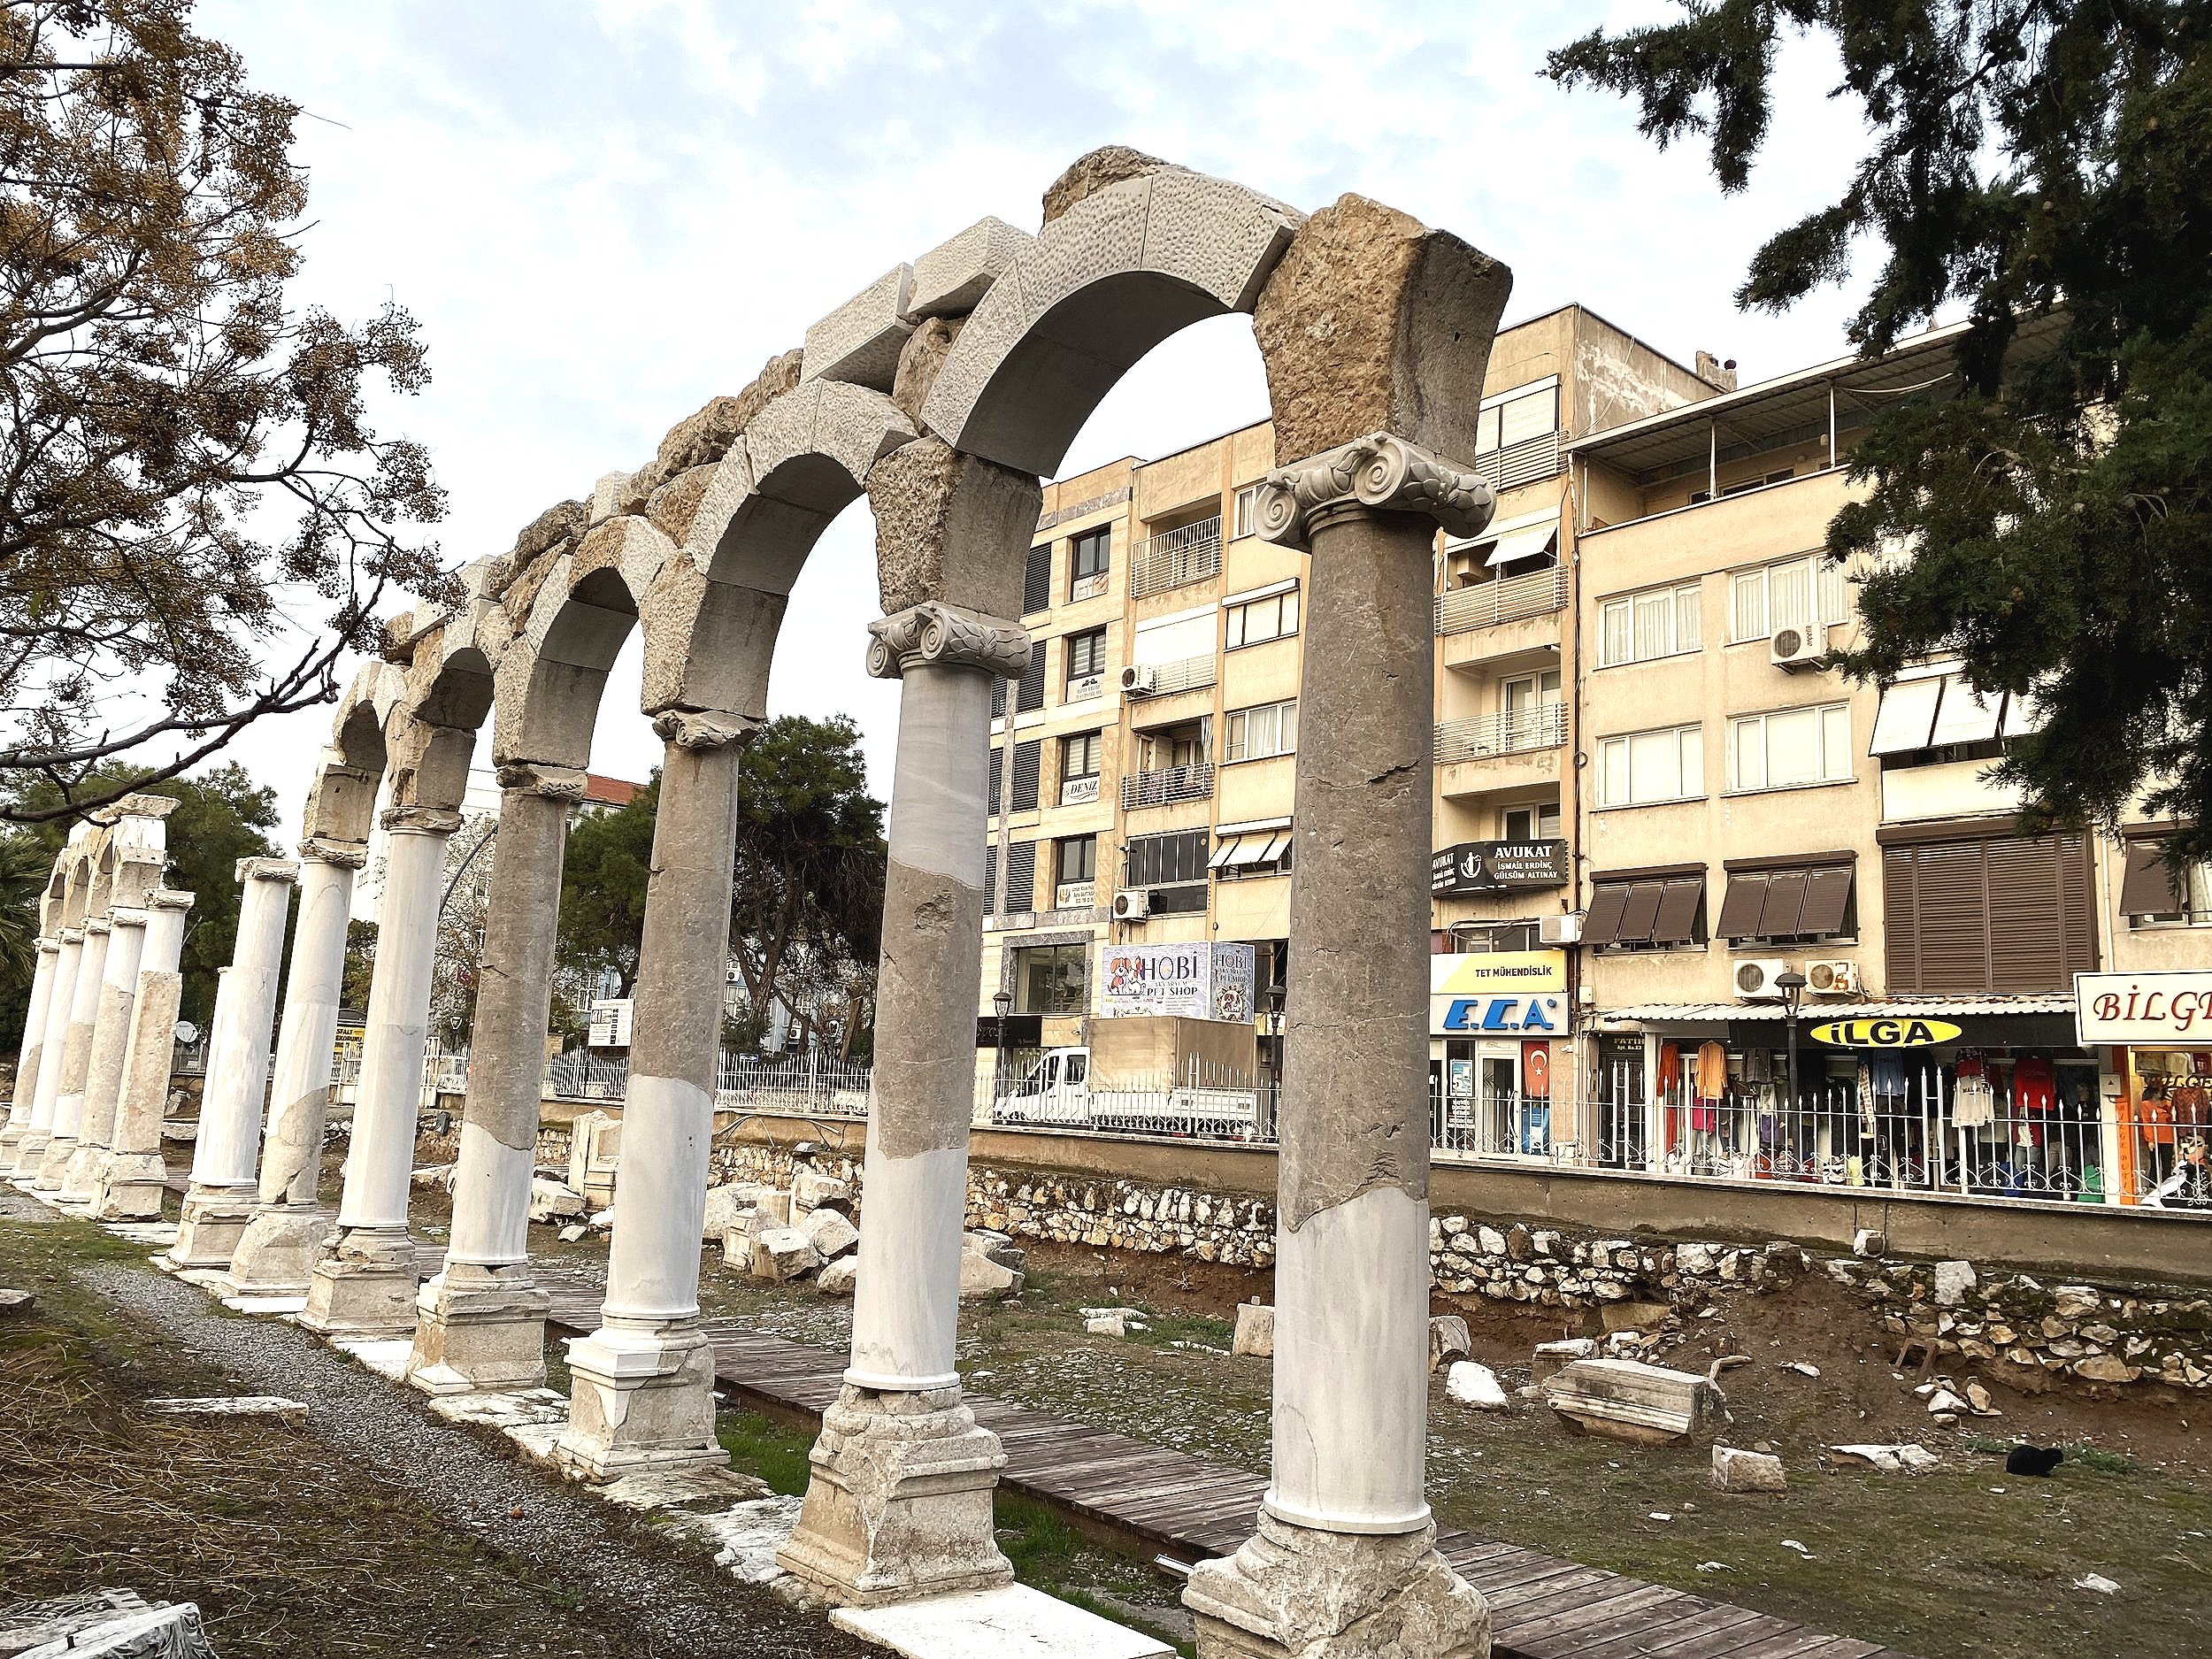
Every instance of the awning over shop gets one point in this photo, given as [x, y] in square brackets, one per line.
[1794, 902]
[1934, 707]
[1644, 911]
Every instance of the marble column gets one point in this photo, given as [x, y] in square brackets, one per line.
[363, 1286]
[277, 1253]
[31, 1150]
[103, 1070]
[644, 1382]
[19, 1123]
[133, 1185]
[899, 1505]
[234, 1097]
[1344, 1560]
[481, 1321]
[76, 1055]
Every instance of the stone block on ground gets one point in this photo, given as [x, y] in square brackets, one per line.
[574, 1232]
[984, 1280]
[1255, 1331]
[1735, 1470]
[1627, 1400]
[1447, 1340]
[812, 1190]
[784, 1252]
[1870, 1241]
[1953, 1280]
[725, 1204]
[16, 1300]
[998, 1247]
[829, 1233]
[554, 1201]
[1634, 1316]
[1895, 1459]
[292, 1413]
[1013, 1622]
[737, 1240]
[434, 1175]
[1475, 1386]
[118, 1624]
[839, 1277]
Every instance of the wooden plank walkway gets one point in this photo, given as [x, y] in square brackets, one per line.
[1541, 1607]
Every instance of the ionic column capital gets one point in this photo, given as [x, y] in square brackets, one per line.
[329, 850]
[95, 924]
[537, 776]
[128, 916]
[170, 899]
[935, 634]
[704, 728]
[421, 821]
[1378, 473]
[49, 947]
[71, 936]
[266, 870]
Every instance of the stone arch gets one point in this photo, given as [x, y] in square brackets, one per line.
[549, 680]
[342, 800]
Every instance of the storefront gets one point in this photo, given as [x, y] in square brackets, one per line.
[2154, 1031]
[1498, 1022]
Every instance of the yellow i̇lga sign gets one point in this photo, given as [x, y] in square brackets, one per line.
[1884, 1034]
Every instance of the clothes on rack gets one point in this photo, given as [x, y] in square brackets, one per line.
[1712, 1072]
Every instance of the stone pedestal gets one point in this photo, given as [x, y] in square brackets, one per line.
[30, 1151]
[481, 1322]
[365, 1283]
[76, 1056]
[1318, 1594]
[103, 1070]
[644, 1382]
[19, 1123]
[135, 1183]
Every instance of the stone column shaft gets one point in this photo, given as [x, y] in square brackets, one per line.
[232, 1099]
[76, 1056]
[364, 1284]
[276, 1255]
[18, 1121]
[481, 1321]
[103, 1070]
[132, 1186]
[643, 1381]
[32, 1148]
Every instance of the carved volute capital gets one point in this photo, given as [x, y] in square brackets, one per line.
[266, 870]
[536, 777]
[421, 820]
[1377, 473]
[330, 850]
[946, 636]
[704, 728]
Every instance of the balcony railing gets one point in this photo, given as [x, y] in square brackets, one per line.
[1186, 673]
[1189, 554]
[1521, 463]
[1508, 599]
[1167, 785]
[1516, 731]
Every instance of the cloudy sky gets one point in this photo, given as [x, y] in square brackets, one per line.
[603, 214]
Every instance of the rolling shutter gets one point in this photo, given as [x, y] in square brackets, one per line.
[1028, 758]
[998, 697]
[1037, 580]
[1996, 914]
[1021, 876]
[1032, 686]
[990, 877]
[995, 784]
[2149, 889]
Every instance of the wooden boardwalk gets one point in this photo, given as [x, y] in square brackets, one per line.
[1542, 1608]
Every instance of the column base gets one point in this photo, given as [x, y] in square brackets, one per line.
[1299, 1592]
[479, 1330]
[10, 1146]
[365, 1285]
[277, 1253]
[53, 1162]
[133, 1190]
[641, 1397]
[899, 1506]
[28, 1152]
[212, 1221]
[87, 1173]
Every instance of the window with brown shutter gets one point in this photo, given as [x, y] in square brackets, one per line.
[1739, 910]
[1828, 902]
[1681, 913]
[1646, 909]
[1785, 903]
[1788, 902]
[1997, 914]
[2149, 889]
[1606, 901]
[1640, 915]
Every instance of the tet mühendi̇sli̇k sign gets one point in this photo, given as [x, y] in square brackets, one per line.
[1499, 993]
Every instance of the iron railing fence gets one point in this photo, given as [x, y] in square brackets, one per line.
[1513, 731]
[1508, 599]
[1190, 553]
[1167, 785]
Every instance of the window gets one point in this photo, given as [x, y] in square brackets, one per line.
[1255, 852]
[1091, 553]
[1532, 715]
[1081, 755]
[2153, 891]
[1246, 521]
[1028, 758]
[1258, 734]
[1658, 622]
[995, 784]
[1646, 911]
[1031, 693]
[1037, 579]
[1087, 664]
[1538, 823]
[1785, 904]
[1790, 748]
[1795, 593]
[1643, 767]
[1176, 863]
[1021, 876]
[1272, 618]
[1482, 938]
[2003, 914]
[1515, 417]
[1052, 980]
[1077, 858]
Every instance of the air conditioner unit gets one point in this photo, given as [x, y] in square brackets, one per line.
[1560, 930]
[1836, 978]
[1794, 648]
[1755, 978]
[1133, 904]
[1140, 680]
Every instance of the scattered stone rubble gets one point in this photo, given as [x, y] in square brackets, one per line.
[1645, 1405]
[803, 1230]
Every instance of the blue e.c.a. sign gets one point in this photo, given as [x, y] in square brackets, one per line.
[1506, 1014]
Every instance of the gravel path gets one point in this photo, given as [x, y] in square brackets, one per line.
[680, 1603]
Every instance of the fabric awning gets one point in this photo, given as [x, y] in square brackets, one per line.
[1523, 544]
[2149, 889]
[1906, 718]
[1937, 707]
[1225, 852]
[1965, 716]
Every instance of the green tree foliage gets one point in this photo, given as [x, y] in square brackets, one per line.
[198, 522]
[603, 889]
[353, 984]
[2027, 157]
[23, 866]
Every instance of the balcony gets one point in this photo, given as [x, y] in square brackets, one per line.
[1190, 553]
[1509, 599]
[1167, 785]
[1516, 732]
[1165, 680]
[1521, 463]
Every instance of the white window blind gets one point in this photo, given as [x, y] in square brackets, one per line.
[1790, 748]
[1658, 622]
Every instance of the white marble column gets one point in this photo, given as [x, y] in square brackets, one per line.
[364, 1284]
[899, 1505]
[134, 1186]
[277, 1253]
[234, 1097]
[31, 1150]
[76, 1055]
[481, 1319]
[644, 1382]
[103, 1071]
[19, 1123]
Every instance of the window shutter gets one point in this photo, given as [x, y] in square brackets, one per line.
[1739, 910]
[1021, 876]
[991, 789]
[1032, 688]
[1640, 913]
[1785, 903]
[998, 697]
[990, 877]
[1603, 922]
[1037, 580]
[1680, 904]
[2148, 887]
[1827, 901]
[1027, 758]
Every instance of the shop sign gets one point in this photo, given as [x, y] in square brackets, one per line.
[1498, 866]
[1885, 1034]
[1194, 981]
[2143, 1008]
[610, 1024]
[1498, 992]
[1504, 1016]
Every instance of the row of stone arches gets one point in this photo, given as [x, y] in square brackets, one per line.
[942, 392]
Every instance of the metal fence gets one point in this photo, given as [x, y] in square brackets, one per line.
[1190, 554]
[1508, 599]
[1513, 731]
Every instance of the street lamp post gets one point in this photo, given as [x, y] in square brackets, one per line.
[1003, 1001]
[1791, 983]
[1277, 994]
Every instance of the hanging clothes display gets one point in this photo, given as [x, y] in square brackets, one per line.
[1669, 1068]
[1712, 1086]
[1973, 1103]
